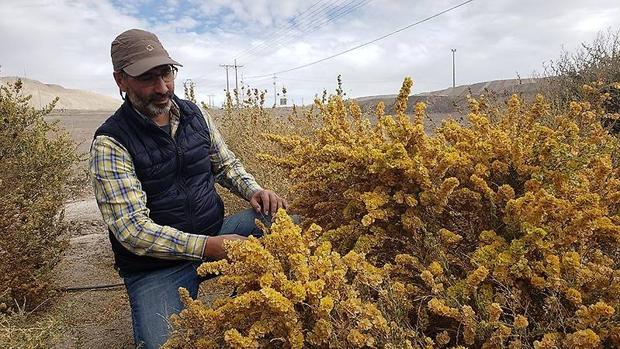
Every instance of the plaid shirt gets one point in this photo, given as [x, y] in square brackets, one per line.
[122, 201]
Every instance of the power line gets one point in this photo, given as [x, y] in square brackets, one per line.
[310, 26]
[343, 11]
[277, 32]
[366, 43]
[313, 27]
[308, 23]
[329, 80]
[295, 21]
[300, 25]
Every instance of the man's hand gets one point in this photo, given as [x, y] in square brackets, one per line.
[267, 201]
[215, 246]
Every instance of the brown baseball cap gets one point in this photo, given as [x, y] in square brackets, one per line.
[136, 51]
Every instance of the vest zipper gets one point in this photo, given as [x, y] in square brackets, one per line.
[189, 211]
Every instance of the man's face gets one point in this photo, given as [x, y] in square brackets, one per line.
[151, 92]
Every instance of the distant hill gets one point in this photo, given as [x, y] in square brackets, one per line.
[452, 99]
[43, 94]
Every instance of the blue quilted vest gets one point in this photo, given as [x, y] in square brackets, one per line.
[175, 173]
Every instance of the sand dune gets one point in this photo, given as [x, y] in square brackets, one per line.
[43, 94]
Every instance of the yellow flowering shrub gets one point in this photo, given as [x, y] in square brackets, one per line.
[503, 231]
[293, 291]
[515, 214]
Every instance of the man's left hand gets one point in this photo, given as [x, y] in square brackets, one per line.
[267, 201]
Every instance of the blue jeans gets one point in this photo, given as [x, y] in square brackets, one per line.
[154, 295]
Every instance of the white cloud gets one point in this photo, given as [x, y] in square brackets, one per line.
[68, 42]
[61, 42]
[174, 25]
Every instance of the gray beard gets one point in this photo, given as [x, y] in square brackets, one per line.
[147, 108]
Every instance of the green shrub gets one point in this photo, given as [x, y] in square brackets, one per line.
[35, 162]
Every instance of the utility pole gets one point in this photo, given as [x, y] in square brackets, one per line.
[226, 66]
[275, 92]
[453, 69]
[210, 100]
[236, 79]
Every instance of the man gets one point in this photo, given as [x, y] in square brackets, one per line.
[153, 166]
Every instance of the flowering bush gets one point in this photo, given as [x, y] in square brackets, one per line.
[293, 291]
[35, 166]
[504, 232]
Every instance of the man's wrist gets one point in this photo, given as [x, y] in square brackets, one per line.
[253, 190]
[211, 248]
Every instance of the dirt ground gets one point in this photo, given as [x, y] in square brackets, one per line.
[91, 318]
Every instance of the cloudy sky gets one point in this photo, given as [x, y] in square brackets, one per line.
[68, 42]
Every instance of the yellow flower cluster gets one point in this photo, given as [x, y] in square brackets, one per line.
[502, 232]
[292, 291]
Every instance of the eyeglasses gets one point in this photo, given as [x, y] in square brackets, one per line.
[167, 74]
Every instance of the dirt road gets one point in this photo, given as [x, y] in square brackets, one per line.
[91, 318]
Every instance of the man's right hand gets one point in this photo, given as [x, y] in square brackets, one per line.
[215, 246]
